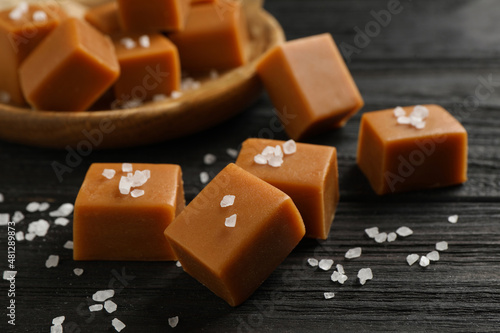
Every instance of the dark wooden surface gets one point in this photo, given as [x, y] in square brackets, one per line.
[431, 52]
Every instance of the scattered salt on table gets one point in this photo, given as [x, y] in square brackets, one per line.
[353, 253]
[329, 295]
[17, 217]
[412, 258]
[178, 264]
[110, 306]
[372, 232]
[364, 275]
[313, 262]
[4, 219]
[19, 236]
[404, 231]
[442, 246]
[52, 261]
[68, 245]
[453, 219]
[204, 178]
[232, 152]
[325, 264]
[391, 237]
[173, 321]
[381, 237]
[61, 221]
[209, 159]
[424, 261]
[95, 307]
[433, 256]
[33, 207]
[63, 211]
[102, 295]
[118, 324]
[78, 271]
[43, 206]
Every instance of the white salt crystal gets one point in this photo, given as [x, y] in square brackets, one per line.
[227, 201]
[95, 307]
[325, 264]
[278, 152]
[329, 295]
[364, 275]
[312, 262]
[209, 159]
[419, 124]
[340, 269]
[260, 159]
[139, 178]
[404, 231]
[17, 217]
[63, 211]
[52, 261]
[275, 161]
[43, 206]
[40, 16]
[433, 256]
[147, 173]
[214, 74]
[127, 167]
[110, 306]
[4, 219]
[268, 151]
[453, 219]
[68, 245]
[15, 15]
[58, 320]
[335, 276]
[30, 236]
[137, 193]
[178, 264]
[144, 41]
[125, 185]
[420, 111]
[204, 178]
[404, 120]
[61, 221]
[399, 112]
[442, 246]
[159, 97]
[118, 324]
[381, 237]
[56, 329]
[102, 295]
[2, 198]
[424, 261]
[4, 98]
[412, 258]
[33, 207]
[175, 94]
[391, 237]
[289, 147]
[78, 271]
[109, 173]
[353, 253]
[173, 321]
[8, 275]
[342, 278]
[19, 236]
[231, 221]
[39, 228]
[128, 43]
[372, 232]
[232, 152]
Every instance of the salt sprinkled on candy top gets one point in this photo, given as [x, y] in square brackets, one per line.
[416, 118]
[273, 156]
[312, 262]
[109, 173]
[40, 16]
[18, 12]
[127, 167]
[128, 43]
[144, 41]
[227, 201]
[231, 221]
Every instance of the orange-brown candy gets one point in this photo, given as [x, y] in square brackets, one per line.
[105, 18]
[234, 260]
[70, 69]
[153, 15]
[308, 80]
[21, 30]
[109, 225]
[309, 176]
[215, 37]
[400, 157]
[149, 66]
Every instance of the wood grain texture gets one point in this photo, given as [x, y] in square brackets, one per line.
[459, 293]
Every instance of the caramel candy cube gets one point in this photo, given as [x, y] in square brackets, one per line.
[309, 85]
[396, 156]
[70, 69]
[110, 224]
[309, 176]
[22, 28]
[153, 15]
[105, 18]
[149, 66]
[215, 37]
[234, 233]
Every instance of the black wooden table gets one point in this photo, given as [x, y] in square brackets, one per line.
[444, 52]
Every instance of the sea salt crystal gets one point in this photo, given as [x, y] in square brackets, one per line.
[18, 12]
[102, 295]
[404, 231]
[95, 307]
[227, 201]
[419, 124]
[109, 173]
[17, 217]
[127, 167]
[178, 264]
[342, 278]
[8, 275]
[138, 179]
[4, 98]
[353, 253]
[453, 219]
[329, 295]
[61, 221]
[433, 256]
[19, 236]
[275, 161]
[404, 120]
[338, 277]
[56, 329]
[364, 275]
[125, 185]
[29, 236]
[399, 112]
[78, 271]
[58, 320]
[128, 43]
[420, 111]
[340, 269]
[144, 41]
[209, 159]
[381, 237]
[442, 246]
[40, 16]
[68, 245]
[260, 159]
[63, 211]
[325, 264]
[159, 97]
[43, 206]
[412, 258]
[33, 207]
[39, 228]
[110, 306]
[173, 321]
[52, 261]
[289, 147]
[204, 178]
[424, 261]
[372, 232]
[137, 193]
[175, 94]
[118, 324]
[231, 221]
[147, 173]
[391, 237]
[232, 152]
[312, 262]
[278, 152]
[4, 219]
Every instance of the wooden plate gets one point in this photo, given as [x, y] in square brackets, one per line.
[215, 101]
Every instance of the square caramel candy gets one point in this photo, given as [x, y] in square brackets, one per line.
[105, 18]
[399, 154]
[111, 224]
[234, 233]
[70, 69]
[153, 15]
[215, 37]
[22, 28]
[309, 85]
[309, 176]
[149, 66]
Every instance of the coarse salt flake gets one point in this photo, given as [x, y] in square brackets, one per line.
[102, 295]
[453, 219]
[110, 306]
[424, 261]
[227, 201]
[40, 16]
[17, 217]
[209, 159]
[63, 211]
[108, 173]
[412, 258]
[52, 261]
[325, 264]
[260, 159]
[340, 269]
[353, 253]
[58, 320]
[128, 43]
[329, 295]
[404, 120]
[8, 275]
[56, 329]
[372, 232]
[39, 228]
[43, 206]
[29, 236]
[391, 237]
[4, 219]
[313, 262]
[61, 221]
[204, 178]
[420, 111]
[33, 207]
[178, 264]
[442, 246]
[144, 41]
[127, 167]
[173, 321]
[289, 147]
[404, 231]
[95, 307]
[19, 236]
[364, 275]
[232, 152]
[78, 271]
[125, 185]
[399, 112]
[231, 221]
[118, 324]
[68, 245]
[137, 193]
[433, 256]
[381, 237]
[275, 161]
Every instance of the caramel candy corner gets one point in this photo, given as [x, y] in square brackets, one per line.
[85, 59]
[153, 15]
[105, 18]
[309, 176]
[109, 225]
[400, 157]
[232, 248]
[22, 29]
[308, 81]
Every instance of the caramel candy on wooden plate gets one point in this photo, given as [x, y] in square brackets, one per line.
[399, 154]
[105, 18]
[309, 176]
[308, 80]
[111, 224]
[22, 28]
[70, 69]
[235, 233]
